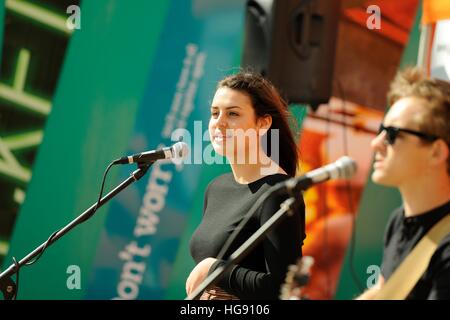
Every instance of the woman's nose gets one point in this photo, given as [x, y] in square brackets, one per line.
[221, 121]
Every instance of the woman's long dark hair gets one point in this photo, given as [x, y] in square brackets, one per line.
[266, 100]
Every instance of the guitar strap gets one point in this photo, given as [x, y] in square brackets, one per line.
[404, 278]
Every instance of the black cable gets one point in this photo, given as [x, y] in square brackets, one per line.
[101, 192]
[29, 263]
[16, 264]
[52, 236]
[350, 197]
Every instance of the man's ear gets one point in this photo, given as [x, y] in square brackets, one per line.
[264, 123]
[440, 151]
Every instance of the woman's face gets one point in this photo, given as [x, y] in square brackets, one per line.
[233, 127]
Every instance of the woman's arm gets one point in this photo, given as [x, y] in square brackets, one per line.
[198, 274]
[282, 246]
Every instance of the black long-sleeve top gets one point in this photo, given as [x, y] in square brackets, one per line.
[402, 234]
[260, 274]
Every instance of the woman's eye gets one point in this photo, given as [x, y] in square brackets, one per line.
[214, 114]
[233, 114]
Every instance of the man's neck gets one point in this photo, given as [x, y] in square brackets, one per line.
[422, 197]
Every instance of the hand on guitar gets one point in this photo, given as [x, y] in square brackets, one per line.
[297, 278]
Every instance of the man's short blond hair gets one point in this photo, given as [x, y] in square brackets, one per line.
[412, 82]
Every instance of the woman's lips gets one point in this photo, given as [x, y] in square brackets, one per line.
[220, 137]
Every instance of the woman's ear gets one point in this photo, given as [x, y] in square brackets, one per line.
[264, 123]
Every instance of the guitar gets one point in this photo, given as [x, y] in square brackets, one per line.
[297, 278]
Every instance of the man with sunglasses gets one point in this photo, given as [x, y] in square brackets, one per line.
[412, 154]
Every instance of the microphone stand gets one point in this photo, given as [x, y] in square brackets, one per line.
[286, 207]
[343, 168]
[7, 285]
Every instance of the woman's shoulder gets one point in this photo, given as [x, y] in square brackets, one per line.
[227, 181]
[267, 182]
[220, 181]
[275, 178]
[223, 178]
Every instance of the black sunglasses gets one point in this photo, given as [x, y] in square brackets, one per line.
[392, 133]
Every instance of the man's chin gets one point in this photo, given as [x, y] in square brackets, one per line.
[382, 179]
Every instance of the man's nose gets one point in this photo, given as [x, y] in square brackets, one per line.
[378, 143]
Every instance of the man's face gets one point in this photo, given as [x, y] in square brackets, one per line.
[402, 162]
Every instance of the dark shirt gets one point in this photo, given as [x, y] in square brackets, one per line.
[402, 234]
[260, 274]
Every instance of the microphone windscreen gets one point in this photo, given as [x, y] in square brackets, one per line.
[180, 150]
[347, 167]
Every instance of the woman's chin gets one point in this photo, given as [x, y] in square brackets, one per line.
[219, 149]
[223, 152]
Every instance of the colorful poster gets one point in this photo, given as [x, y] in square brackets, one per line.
[440, 51]
[362, 261]
[338, 128]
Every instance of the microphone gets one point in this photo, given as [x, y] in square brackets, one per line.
[343, 168]
[176, 152]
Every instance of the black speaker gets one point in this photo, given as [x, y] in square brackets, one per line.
[292, 43]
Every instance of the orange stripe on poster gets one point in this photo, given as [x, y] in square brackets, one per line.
[435, 10]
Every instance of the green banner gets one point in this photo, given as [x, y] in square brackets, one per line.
[127, 71]
[92, 117]
[377, 203]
